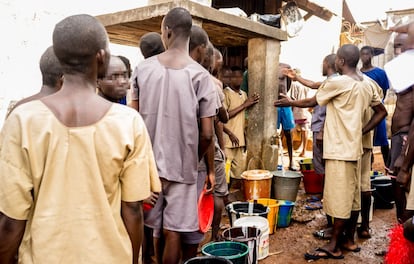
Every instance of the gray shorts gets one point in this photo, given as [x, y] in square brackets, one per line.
[397, 141]
[318, 162]
[175, 210]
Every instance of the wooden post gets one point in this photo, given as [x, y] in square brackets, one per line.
[263, 56]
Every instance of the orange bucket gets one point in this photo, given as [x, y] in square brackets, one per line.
[257, 184]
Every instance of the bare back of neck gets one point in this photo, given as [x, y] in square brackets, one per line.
[175, 58]
[77, 105]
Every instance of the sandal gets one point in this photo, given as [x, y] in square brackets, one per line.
[321, 253]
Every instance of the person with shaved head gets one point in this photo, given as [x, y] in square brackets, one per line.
[177, 101]
[51, 77]
[347, 99]
[72, 174]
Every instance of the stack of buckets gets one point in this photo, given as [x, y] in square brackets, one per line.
[312, 182]
[253, 221]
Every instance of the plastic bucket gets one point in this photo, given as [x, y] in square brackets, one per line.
[273, 205]
[208, 260]
[383, 192]
[285, 213]
[312, 181]
[257, 184]
[247, 235]
[286, 185]
[236, 252]
[241, 209]
[306, 164]
[263, 225]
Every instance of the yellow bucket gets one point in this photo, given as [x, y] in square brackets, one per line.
[273, 205]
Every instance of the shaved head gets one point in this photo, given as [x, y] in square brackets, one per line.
[151, 44]
[179, 21]
[76, 41]
[350, 54]
[198, 37]
[50, 68]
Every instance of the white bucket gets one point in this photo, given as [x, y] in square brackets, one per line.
[263, 225]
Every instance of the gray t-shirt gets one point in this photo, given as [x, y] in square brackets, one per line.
[171, 101]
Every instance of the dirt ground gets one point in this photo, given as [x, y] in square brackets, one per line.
[288, 245]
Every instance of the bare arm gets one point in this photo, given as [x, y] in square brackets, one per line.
[206, 135]
[234, 140]
[11, 233]
[379, 114]
[293, 75]
[308, 83]
[304, 103]
[254, 99]
[218, 129]
[131, 213]
[134, 104]
[211, 173]
[223, 115]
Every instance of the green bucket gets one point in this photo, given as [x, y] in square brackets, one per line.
[236, 252]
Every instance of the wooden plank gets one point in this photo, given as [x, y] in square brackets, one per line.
[126, 27]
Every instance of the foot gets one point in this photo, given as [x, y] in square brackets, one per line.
[293, 168]
[351, 247]
[322, 253]
[363, 232]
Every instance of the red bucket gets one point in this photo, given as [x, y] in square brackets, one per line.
[312, 181]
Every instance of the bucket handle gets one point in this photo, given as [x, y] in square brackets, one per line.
[253, 158]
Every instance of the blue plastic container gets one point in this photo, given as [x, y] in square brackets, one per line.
[285, 213]
[236, 252]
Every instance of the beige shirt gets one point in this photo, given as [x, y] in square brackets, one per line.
[236, 124]
[298, 92]
[346, 101]
[68, 183]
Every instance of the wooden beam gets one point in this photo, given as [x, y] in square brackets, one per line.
[126, 27]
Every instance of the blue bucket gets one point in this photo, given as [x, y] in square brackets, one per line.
[285, 213]
[236, 252]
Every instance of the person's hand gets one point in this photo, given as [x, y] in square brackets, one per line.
[283, 101]
[291, 73]
[404, 179]
[210, 182]
[234, 140]
[254, 99]
[152, 199]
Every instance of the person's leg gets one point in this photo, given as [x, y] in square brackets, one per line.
[304, 136]
[332, 248]
[289, 145]
[147, 246]
[218, 209]
[365, 168]
[288, 123]
[159, 245]
[180, 216]
[189, 251]
[172, 249]
[363, 230]
[349, 239]
[385, 151]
